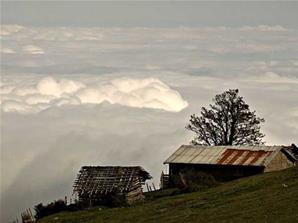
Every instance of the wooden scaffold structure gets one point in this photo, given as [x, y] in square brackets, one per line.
[95, 183]
[27, 217]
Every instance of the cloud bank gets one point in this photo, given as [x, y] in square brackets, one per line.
[7, 50]
[66, 104]
[31, 49]
[48, 92]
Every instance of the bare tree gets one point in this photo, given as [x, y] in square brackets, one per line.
[229, 121]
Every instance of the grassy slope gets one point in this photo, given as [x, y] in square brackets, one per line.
[261, 198]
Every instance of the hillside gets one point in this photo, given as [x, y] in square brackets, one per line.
[271, 197]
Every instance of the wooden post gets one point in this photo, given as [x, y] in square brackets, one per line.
[31, 215]
[76, 198]
[153, 186]
[147, 187]
[90, 202]
[28, 213]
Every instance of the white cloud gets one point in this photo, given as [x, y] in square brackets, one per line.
[48, 92]
[23, 90]
[141, 93]
[264, 28]
[128, 34]
[33, 99]
[7, 50]
[6, 88]
[294, 112]
[57, 34]
[10, 29]
[88, 114]
[31, 49]
[246, 48]
[61, 140]
[16, 106]
[50, 86]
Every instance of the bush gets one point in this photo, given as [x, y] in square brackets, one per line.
[51, 208]
[76, 206]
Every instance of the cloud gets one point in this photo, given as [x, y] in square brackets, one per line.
[295, 112]
[245, 48]
[31, 49]
[50, 86]
[48, 92]
[57, 34]
[76, 50]
[100, 35]
[264, 28]
[79, 110]
[62, 138]
[16, 106]
[7, 50]
[142, 93]
[10, 29]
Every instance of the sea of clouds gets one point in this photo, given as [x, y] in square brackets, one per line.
[122, 96]
[49, 92]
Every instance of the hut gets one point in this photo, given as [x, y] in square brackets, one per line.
[226, 163]
[96, 184]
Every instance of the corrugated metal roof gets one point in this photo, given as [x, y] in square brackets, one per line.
[225, 155]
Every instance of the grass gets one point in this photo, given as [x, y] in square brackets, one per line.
[271, 197]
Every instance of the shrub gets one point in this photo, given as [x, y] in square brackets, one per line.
[51, 208]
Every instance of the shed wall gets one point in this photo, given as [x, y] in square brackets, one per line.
[279, 162]
[221, 173]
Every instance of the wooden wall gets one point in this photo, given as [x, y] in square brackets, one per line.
[219, 172]
[279, 162]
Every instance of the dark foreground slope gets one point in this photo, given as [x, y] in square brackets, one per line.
[271, 197]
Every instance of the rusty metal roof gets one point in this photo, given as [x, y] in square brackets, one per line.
[225, 155]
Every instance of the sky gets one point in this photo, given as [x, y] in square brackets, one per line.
[150, 13]
[115, 83]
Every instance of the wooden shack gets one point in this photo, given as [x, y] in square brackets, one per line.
[226, 163]
[94, 184]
